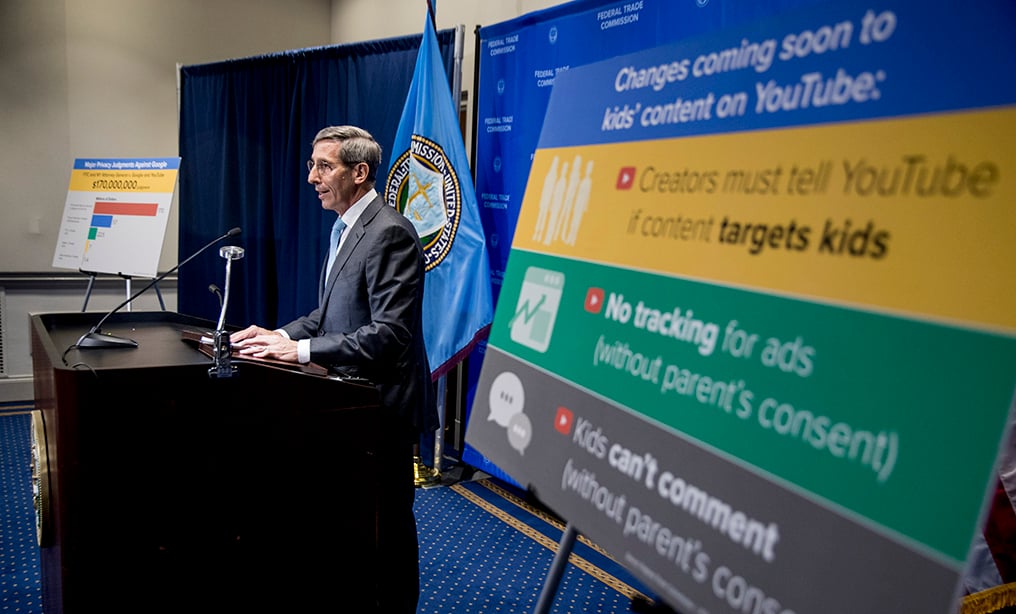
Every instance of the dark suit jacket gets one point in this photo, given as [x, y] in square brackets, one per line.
[369, 320]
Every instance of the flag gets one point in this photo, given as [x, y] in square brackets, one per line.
[430, 183]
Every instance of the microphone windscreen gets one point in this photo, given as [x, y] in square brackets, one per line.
[234, 232]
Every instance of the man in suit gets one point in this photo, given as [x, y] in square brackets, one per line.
[368, 323]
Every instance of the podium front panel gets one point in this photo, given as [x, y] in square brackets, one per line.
[170, 490]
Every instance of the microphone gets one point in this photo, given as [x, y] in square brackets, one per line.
[95, 338]
[215, 290]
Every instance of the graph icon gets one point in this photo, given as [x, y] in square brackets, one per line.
[536, 310]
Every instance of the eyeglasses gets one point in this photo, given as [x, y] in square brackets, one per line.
[323, 168]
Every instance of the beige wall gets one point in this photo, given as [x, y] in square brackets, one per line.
[97, 78]
[387, 18]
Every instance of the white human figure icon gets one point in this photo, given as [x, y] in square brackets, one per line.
[556, 200]
[549, 181]
[560, 229]
[581, 204]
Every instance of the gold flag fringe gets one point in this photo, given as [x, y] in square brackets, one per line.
[990, 600]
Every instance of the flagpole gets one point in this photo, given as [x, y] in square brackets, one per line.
[424, 475]
[442, 405]
[443, 380]
[432, 113]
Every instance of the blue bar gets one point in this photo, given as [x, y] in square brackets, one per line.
[102, 221]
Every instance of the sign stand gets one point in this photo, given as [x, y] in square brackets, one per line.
[557, 566]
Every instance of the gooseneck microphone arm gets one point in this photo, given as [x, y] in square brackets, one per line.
[222, 350]
[94, 338]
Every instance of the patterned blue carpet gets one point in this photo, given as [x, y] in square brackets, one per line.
[20, 578]
[482, 547]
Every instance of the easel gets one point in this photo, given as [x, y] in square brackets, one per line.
[127, 281]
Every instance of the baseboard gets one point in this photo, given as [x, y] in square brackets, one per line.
[13, 389]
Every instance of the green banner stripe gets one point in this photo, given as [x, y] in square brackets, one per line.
[874, 413]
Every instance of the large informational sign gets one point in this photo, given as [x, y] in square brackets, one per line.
[756, 335]
[114, 220]
[519, 61]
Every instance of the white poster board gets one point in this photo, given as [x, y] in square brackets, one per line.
[115, 216]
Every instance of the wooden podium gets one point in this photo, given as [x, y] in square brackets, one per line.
[163, 489]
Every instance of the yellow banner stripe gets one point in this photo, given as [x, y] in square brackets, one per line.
[139, 181]
[911, 215]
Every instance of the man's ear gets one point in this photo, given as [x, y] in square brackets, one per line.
[360, 171]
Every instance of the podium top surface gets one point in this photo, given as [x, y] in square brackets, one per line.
[161, 344]
[158, 334]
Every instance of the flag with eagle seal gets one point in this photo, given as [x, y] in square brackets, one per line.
[429, 182]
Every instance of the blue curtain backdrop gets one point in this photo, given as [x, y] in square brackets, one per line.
[245, 132]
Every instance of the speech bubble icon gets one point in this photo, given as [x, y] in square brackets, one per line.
[520, 432]
[507, 397]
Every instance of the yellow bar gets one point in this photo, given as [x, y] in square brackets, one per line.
[141, 181]
[914, 215]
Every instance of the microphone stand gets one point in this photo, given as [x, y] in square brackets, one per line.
[94, 338]
[221, 350]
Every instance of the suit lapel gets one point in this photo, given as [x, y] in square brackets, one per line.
[354, 234]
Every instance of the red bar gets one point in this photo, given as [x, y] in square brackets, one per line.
[145, 209]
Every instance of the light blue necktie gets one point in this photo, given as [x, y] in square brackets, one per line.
[333, 244]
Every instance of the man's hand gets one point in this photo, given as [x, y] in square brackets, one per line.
[263, 343]
[247, 333]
